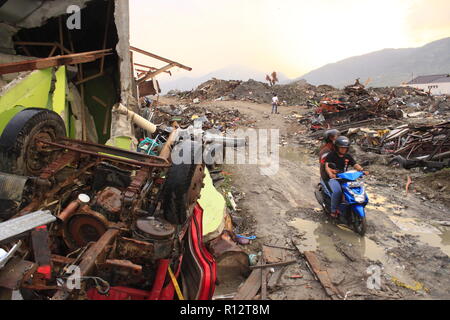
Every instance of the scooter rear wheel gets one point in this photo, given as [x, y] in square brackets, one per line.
[360, 226]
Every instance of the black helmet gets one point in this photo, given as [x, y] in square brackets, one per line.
[342, 142]
[330, 133]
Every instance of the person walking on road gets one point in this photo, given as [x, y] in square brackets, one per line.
[275, 103]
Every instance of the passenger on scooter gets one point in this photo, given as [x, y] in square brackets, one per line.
[336, 162]
[330, 137]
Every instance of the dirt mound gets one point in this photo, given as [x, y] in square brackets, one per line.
[296, 93]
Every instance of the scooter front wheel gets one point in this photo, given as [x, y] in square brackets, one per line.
[360, 226]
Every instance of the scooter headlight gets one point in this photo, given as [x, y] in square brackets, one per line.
[360, 198]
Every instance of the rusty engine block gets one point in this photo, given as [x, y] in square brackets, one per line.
[109, 224]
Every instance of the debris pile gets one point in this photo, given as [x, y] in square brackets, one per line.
[330, 107]
[296, 93]
[186, 114]
[425, 146]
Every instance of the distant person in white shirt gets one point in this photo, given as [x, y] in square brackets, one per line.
[275, 103]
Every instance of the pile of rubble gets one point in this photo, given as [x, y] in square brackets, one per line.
[296, 93]
[185, 115]
[329, 105]
[360, 106]
[404, 122]
[413, 145]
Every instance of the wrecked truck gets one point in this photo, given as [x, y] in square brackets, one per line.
[80, 219]
[127, 224]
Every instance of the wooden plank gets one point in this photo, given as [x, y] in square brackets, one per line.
[151, 69]
[322, 275]
[52, 52]
[105, 38]
[99, 101]
[151, 75]
[61, 34]
[44, 63]
[251, 286]
[95, 76]
[278, 247]
[43, 44]
[107, 121]
[264, 274]
[160, 58]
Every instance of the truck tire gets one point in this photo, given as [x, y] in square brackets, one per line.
[18, 149]
[182, 189]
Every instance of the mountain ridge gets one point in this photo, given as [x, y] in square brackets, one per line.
[386, 67]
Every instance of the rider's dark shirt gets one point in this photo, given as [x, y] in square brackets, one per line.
[342, 163]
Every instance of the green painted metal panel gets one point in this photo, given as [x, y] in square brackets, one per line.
[59, 95]
[31, 92]
[123, 142]
[59, 101]
[7, 115]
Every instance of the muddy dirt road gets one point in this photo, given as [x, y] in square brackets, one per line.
[405, 242]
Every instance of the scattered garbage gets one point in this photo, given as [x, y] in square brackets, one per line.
[253, 259]
[247, 238]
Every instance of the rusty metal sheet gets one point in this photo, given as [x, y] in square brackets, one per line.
[12, 274]
[133, 249]
[12, 186]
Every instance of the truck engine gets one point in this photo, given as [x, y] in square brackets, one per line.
[120, 221]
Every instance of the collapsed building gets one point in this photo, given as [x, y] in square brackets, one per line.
[37, 29]
[74, 193]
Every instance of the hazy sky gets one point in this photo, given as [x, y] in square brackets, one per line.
[289, 36]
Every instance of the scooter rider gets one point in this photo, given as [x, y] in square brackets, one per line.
[330, 137]
[336, 162]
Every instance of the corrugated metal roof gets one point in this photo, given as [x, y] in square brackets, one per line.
[438, 78]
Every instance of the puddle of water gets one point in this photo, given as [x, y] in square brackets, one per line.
[317, 238]
[295, 154]
[433, 236]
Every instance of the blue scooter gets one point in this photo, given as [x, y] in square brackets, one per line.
[355, 200]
